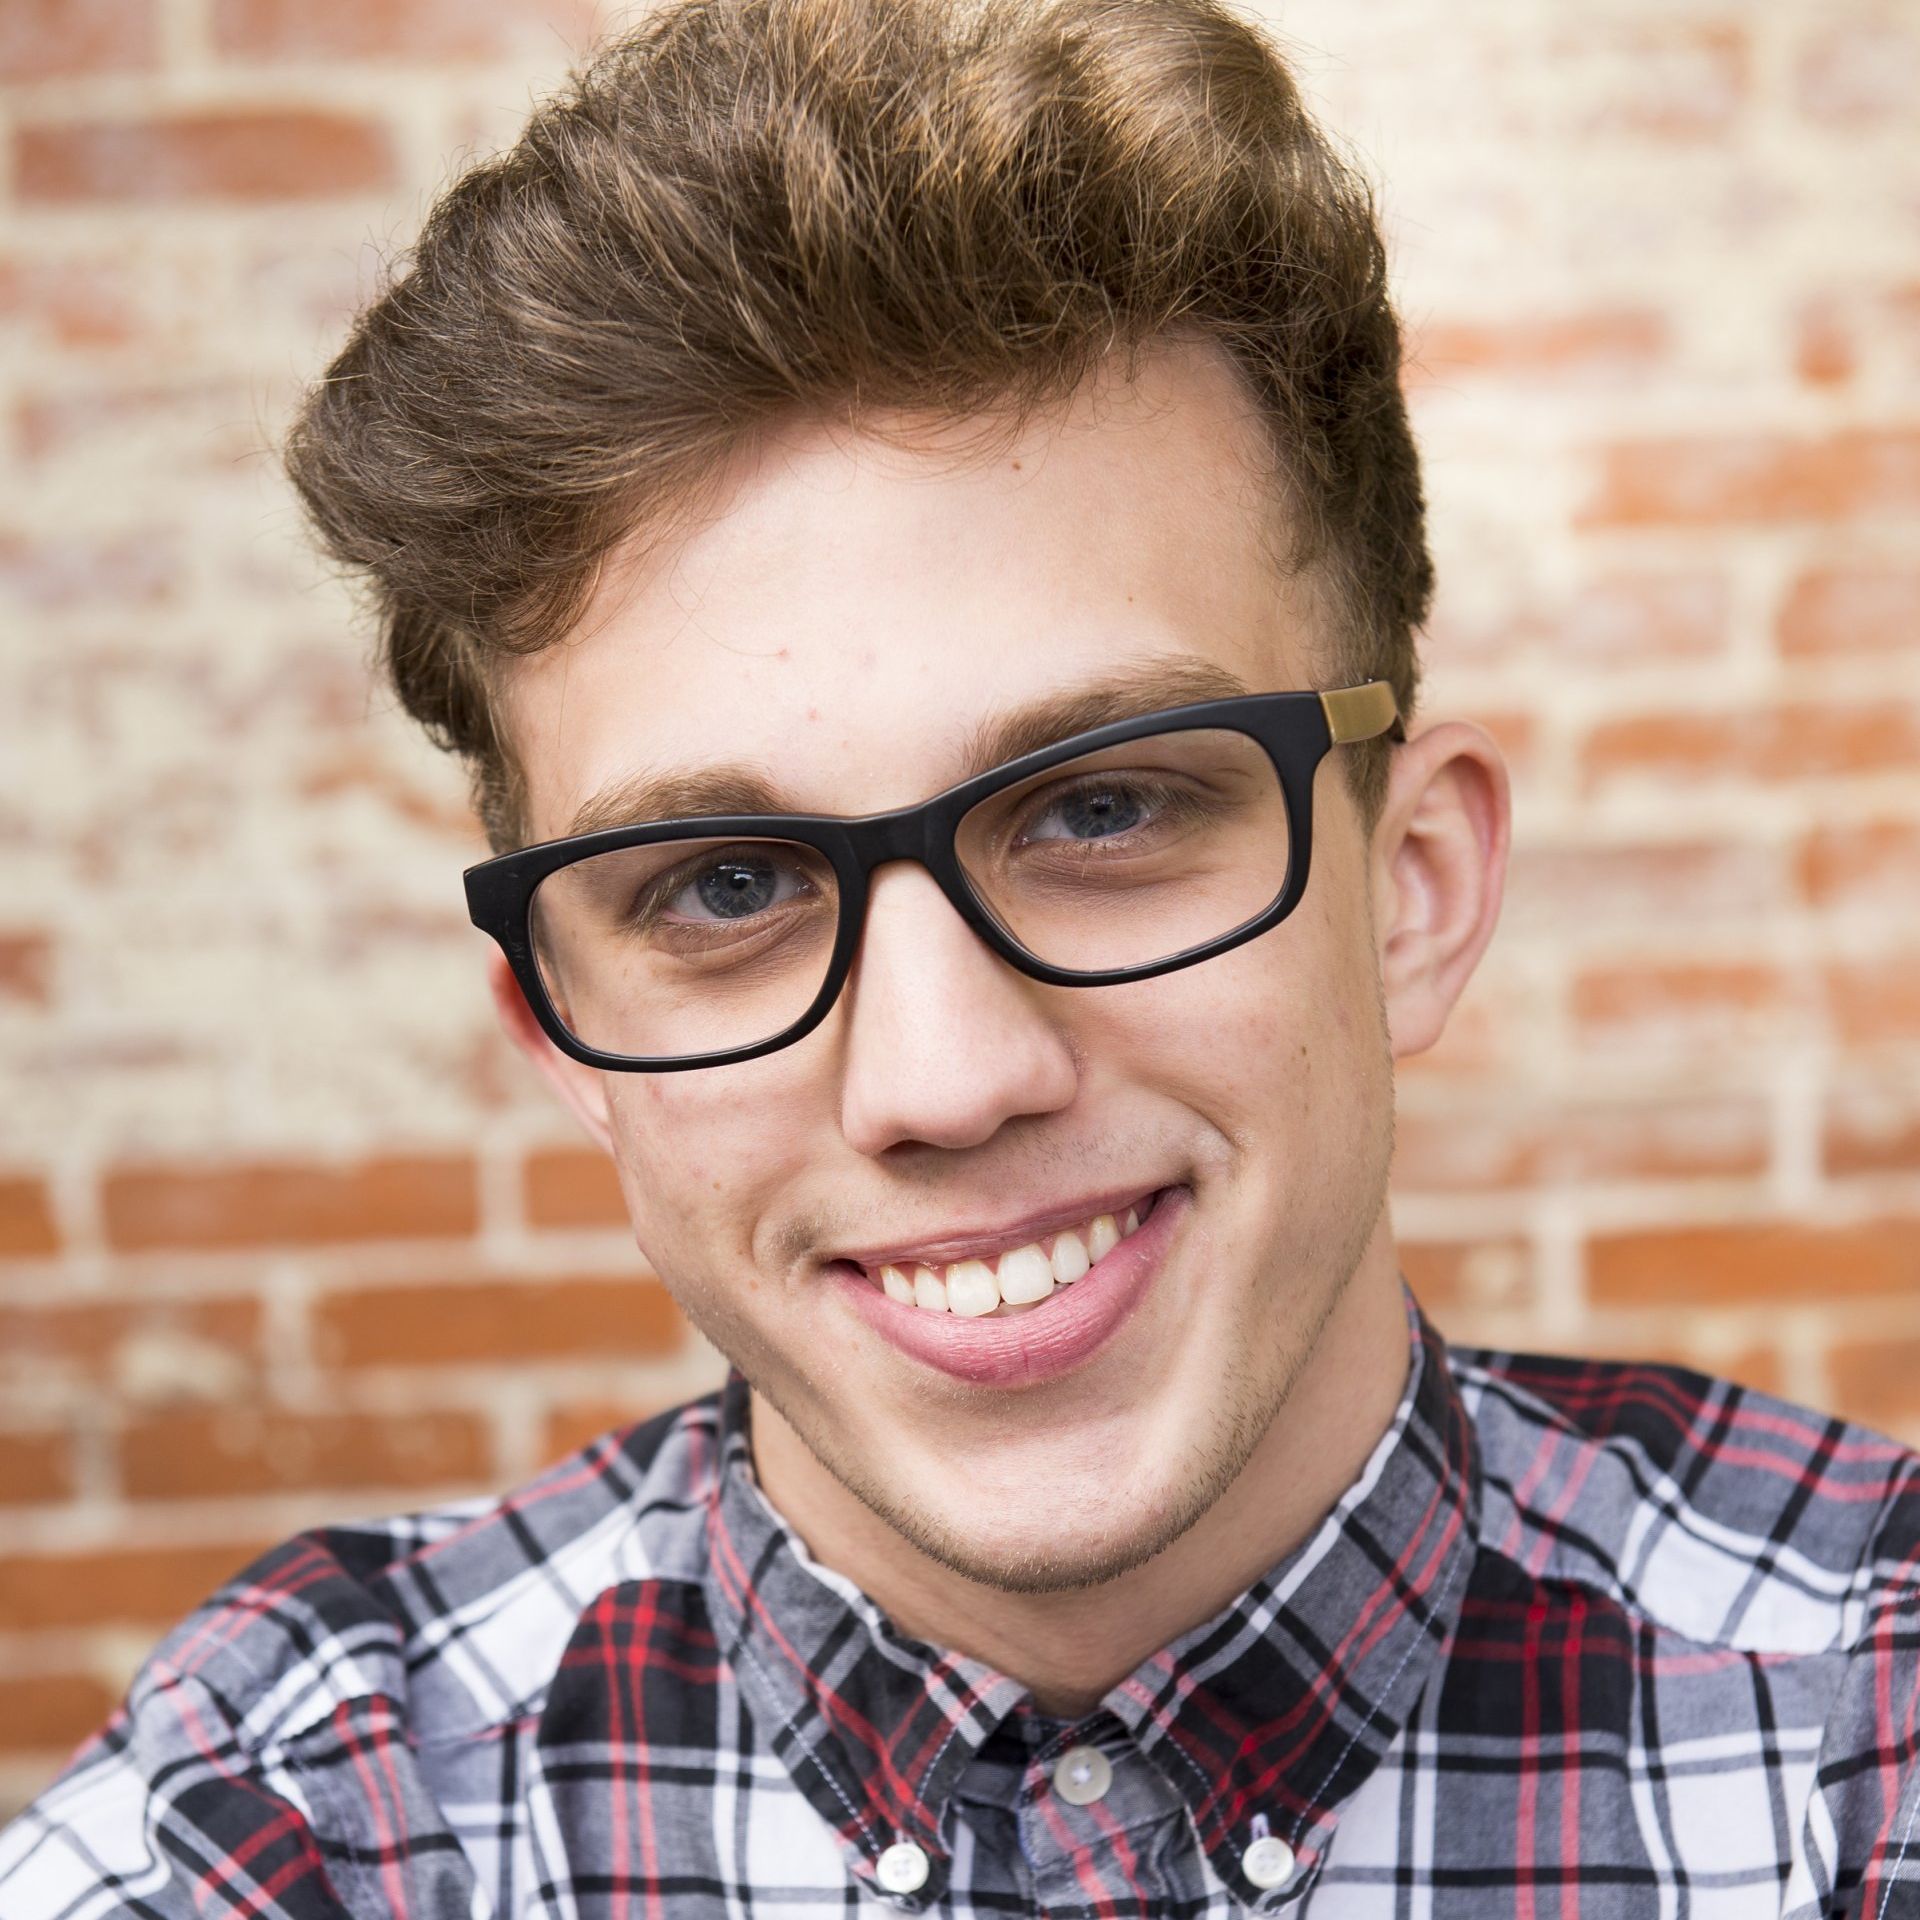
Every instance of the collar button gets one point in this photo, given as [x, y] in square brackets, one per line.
[1268, 1863]
[902, 1868]
[1082, 1775]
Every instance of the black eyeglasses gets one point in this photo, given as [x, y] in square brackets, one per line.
[1117, 854]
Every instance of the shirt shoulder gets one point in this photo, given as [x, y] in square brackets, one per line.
[420, 1627]
[1717, 1512]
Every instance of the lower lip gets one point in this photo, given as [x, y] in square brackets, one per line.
[1049, 1339]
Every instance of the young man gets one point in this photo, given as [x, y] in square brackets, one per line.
[908, 511]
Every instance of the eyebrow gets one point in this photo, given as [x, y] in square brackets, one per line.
[1144, 686]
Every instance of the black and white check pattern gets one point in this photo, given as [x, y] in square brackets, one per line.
[1582, 1640]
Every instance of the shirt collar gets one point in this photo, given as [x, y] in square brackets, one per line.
[1266, 1718]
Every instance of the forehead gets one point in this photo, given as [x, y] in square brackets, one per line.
[851, 614]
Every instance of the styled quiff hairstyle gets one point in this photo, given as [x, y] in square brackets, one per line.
[749, 211]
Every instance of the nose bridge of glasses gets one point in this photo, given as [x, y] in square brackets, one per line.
[916, 835]
[907, 833]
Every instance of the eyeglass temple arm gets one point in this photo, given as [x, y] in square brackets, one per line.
[1359, 713]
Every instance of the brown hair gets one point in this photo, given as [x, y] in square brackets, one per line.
[750, 209]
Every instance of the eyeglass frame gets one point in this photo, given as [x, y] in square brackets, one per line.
[1296, 729]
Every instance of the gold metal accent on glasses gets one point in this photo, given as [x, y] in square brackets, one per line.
[1359, 713]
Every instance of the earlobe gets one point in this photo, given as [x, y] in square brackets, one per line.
[582, 1088]
[1439, 864]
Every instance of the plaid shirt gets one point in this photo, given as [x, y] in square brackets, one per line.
[1582, 1639]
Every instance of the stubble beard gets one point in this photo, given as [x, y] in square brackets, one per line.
[1247, 1411]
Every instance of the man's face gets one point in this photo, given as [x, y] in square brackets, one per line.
[844, 622]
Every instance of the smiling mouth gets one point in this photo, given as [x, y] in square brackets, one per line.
[1017, 1280]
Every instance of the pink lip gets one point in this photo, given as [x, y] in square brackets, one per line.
[1016, 1350]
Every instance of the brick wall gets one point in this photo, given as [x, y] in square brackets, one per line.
[286, 1235]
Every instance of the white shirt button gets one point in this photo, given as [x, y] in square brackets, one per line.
[1269, 1862]
[902, 1868]
[1082, 1775]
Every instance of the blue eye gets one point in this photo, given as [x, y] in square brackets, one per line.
[1096, 812]
[1092, 810]
[735, 888]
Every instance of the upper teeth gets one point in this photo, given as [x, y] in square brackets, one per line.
[1016, 1278]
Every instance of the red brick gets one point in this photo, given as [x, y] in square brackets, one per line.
[573, 1187]
[1757, 1367]
[1702, 1003]
[402, 1197]
[1758, 1264]
[26, 968]
[1620, 342]
[503, 1321]
[1852, 610]
[1573, 890]
[26, 1216]
[289, 153]
[1476, 1037]
[364, 770]
[1460, 1147]
[1669, 79]
[1467, 1276]
[1871, 1001]
[577, 1423]
[35, 1467]
[434, 30]
[52, 1712]
[1763, 479]
[1877, 1382]
[1846, 328]
[1824, 347]
[1629, 616]
[51, 39]
[1872, 1128]
[53, 574]
[233, 1451]
[1861, 72]
[183, 426]
[1647, 616]
[1515, 734]
[92, 1337]
[72, 303]
[1901, 309]
[116, 1586]
[1871, 864]
[1797, 741]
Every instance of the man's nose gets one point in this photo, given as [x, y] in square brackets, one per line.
[943, 1040]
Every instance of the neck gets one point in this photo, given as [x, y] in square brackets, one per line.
[1069, 1649]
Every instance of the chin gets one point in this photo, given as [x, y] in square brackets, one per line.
[1046, 1538]
[1041, 1558]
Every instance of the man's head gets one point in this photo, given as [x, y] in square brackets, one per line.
[814, 387]
[759, 211]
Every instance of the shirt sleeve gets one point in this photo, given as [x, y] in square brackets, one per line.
[162, 1815]
[1859, 1852]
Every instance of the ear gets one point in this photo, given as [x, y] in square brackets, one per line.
[583, 1088]
[1439, 865]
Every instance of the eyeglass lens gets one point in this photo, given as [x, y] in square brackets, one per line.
[1117, 859]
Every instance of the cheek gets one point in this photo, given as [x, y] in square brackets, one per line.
[1278, 1027]
[702, 1156]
